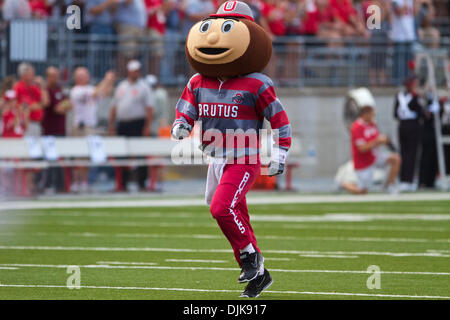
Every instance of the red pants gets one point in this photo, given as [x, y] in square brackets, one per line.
[229, 206]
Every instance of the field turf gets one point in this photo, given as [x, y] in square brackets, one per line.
[314, 251]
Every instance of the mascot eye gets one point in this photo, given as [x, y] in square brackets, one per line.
[227, 26]
[205, 26]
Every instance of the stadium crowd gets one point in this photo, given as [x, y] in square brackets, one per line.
[322, 18]
[33, 105]
[325, 22]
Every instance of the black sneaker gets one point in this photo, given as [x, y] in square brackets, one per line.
[251, 263]
[257, 285]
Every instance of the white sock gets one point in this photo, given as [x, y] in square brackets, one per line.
[248, 249]
[261, 270]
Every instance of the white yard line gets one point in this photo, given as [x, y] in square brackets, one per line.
[335, 256]
[210, 236]
[296, 252]
[230, 291]
[345, 218]
[92, 214]
[367, 228]
[118, 235]
[253, 199]
[195, 268]
[357, 239]
[200, 261]
[328, 217]
[111, 224]
[8, 268]
[126, 263]
[350, 217]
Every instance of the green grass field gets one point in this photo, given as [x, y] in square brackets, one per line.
[314, 251]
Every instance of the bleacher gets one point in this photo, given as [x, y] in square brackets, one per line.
[318, 64]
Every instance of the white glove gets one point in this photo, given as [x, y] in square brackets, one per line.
[278, 161]
[181, 131]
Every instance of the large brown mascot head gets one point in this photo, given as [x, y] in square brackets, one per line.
[229, 43]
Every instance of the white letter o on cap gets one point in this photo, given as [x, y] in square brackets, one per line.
[229, 6]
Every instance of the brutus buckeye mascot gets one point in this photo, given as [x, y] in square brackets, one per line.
[230, 97]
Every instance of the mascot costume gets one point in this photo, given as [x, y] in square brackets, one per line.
[230, 98]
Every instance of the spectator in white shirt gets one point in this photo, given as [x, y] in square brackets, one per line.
[85, 98]
[16, 9]
[403, 35]
[131, 113]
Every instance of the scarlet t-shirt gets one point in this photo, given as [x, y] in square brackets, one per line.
[313, 19]
[29, 95]
[362, 133]
[39, 8]
[10, 129]
[277, 26]
[157, 21]
[344, 9]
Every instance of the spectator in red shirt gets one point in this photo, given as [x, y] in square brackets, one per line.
[321, 20]
[274, 11]
[29, 95]
[14, 118]
[367, 155]
[39, 8]
[295, 10]
[157, 11]
[294, 16]
[352, 23]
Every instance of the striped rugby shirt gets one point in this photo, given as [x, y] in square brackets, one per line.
[232, 113]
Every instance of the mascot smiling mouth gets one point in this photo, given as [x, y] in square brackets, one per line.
[212, 51]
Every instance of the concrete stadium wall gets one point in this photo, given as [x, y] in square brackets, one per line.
[317, 119]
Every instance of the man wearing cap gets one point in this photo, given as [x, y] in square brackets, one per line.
[131, 113]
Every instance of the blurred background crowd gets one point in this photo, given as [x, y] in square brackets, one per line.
[115, 80]
[401, 24]
[321, 18]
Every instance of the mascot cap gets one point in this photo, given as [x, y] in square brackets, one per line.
[235, 9]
